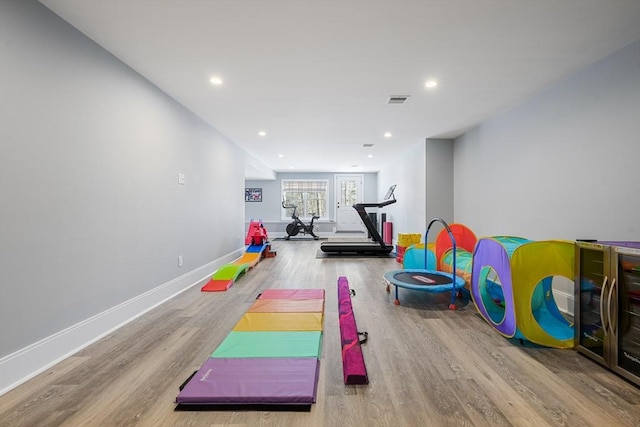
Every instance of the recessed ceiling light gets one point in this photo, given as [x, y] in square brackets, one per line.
[290, 167]
[387, 134]
[216, 80]
[262, 133]
[281, 155]
[370, 156]
[431, 84]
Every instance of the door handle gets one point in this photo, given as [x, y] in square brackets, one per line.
[612, 325]
[602, 318]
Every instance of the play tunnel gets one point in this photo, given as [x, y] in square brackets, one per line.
[512, 280]
[439, 255]
[465, 244]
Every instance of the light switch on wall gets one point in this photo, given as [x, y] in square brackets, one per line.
[180, 178]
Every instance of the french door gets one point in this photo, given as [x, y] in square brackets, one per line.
[348, 191]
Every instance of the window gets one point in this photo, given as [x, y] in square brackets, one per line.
[309, 195]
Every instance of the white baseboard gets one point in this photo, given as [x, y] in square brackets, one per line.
[24, 364]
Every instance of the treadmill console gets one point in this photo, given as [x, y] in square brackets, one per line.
[390, 193]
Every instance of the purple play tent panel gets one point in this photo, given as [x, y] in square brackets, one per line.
[490, 253]
[275, 381]
[292, 294]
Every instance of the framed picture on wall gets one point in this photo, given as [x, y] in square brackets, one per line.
[253, 194]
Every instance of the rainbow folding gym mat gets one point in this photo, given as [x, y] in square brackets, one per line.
[270, 360]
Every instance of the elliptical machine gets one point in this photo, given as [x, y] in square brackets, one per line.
[297, 226]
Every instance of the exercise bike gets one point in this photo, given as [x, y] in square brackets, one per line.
[297, 226]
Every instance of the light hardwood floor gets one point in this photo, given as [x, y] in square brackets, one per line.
[427, 365]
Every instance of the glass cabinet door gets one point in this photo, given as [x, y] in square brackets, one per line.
[593, 263]
[628, 312]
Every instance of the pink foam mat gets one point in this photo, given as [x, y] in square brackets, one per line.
[292, 294]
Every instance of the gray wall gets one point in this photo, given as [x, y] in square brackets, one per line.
[439, 192]
[408, 172]
[565, 164]
[269, 209]
[424, 175]
[91, 212]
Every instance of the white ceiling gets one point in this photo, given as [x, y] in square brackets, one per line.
[316, 74]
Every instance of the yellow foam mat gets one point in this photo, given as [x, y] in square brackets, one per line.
[280, 322]
[287, 306]
[248, 258]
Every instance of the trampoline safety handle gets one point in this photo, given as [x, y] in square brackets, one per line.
[454, 291]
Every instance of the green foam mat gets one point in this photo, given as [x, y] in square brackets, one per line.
[230, 271]
[270, 344]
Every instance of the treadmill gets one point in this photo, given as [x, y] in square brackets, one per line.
[377, 246]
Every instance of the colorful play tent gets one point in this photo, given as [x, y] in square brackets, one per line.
[465, 244]
[414, 257]
[439, 255]
[512, 288]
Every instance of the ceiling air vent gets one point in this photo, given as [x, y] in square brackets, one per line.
[398, 99]
[367, 145]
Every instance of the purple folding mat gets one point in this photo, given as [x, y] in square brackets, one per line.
[252, 381]
[353, 367]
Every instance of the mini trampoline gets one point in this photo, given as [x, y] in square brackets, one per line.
[428, 280]
[423, 280]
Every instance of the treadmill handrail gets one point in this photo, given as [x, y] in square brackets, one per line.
[371, 228]
[375, 205]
